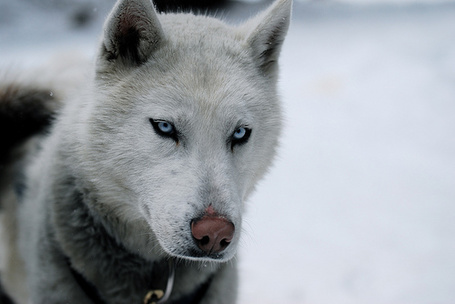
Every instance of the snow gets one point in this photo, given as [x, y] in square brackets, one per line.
[360, 204]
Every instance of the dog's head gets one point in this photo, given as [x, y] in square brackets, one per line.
[183, 121]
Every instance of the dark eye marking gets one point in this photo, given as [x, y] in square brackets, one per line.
[165, 129]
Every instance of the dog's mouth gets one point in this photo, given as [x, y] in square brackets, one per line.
[193, 253]
[198, 254]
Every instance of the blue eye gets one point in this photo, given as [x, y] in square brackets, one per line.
[239, 133]
[165, 129]
[240, 136]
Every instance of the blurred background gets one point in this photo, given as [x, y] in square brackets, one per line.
[360, 205]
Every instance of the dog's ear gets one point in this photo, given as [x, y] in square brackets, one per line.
[266, 34]
[131, 32]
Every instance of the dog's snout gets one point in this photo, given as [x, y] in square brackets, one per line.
[212, 234]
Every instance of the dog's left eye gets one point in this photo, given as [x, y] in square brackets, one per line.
[240, 136]
[239, 133]
[164, 129]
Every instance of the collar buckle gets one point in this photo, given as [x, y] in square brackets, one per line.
[153, 296]
[158, 296]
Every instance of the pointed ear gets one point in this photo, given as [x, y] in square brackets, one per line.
[267, 32]
[131, 32]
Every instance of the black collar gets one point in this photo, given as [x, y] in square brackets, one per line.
[193, 298]
[89, 289]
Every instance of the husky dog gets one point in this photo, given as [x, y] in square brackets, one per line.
[133, 190]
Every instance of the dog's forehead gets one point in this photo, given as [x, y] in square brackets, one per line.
[189, 97]
[192, 28]
[204, 63]
[201, 39]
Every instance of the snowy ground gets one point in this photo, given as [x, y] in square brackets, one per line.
[360, 206]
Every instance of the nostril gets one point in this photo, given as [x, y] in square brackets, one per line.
[224, 243]
[204, 241]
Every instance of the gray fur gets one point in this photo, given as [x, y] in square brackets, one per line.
[109, 195]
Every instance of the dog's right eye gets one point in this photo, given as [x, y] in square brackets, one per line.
[164, 129]
[240, 136]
